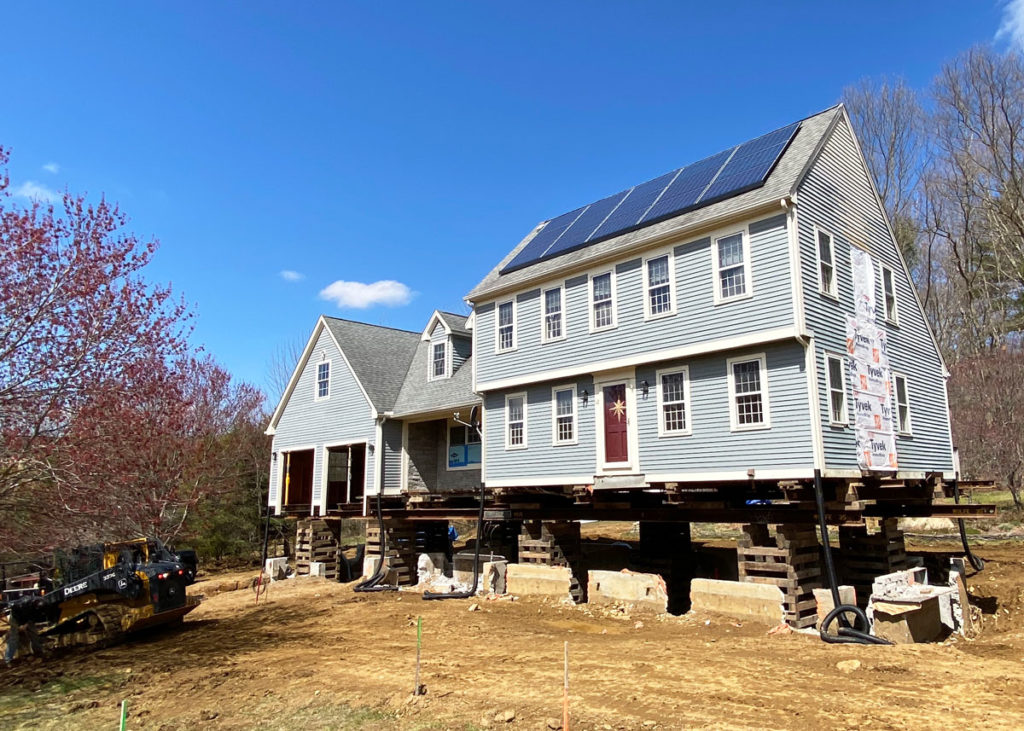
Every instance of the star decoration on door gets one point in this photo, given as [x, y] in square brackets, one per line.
[618, 409]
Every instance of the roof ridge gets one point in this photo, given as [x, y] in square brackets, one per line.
[370, 324]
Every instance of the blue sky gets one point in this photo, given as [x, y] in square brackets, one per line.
[411, 143]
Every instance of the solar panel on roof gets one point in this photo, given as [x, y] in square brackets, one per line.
[712, 179]
[686, 189]
[632, 209]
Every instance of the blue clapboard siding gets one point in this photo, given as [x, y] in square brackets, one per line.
[391, 438]
[462, 348]
[837, 196]
[697, 318]
[344, 417]
[541, 458]
[712, 447]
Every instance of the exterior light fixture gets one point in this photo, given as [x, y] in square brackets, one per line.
[585, 397]
[646, 387]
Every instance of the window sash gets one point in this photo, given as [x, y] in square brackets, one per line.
[889, 292]
[826, 259]
[902, 405]
[553, 314]
[837, 390]
[602, 299]
[506, 326]
[565, 415]
[515, 419]
[674, 418]
[732, 266]
[748, 396]
[659, 285]
[440, 360]
[323, 380]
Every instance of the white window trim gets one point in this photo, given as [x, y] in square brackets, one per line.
[734, 424]
[671, 286]
[895, 319]
[544, 315]
[508, 445]
[717, 284]
[447, 361]
[554, 417]
[449, 425]
[834, 291]
[316, 380]
[497, 326]
[687, 404]
[845, 416]
[909, 431]
[590, 301]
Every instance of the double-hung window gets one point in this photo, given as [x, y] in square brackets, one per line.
[563, 400]
[836, 390]
[902, 404]
[439, 361]
[732, 268]
[602, 301]
[553, 326]
[515, 421]
[506, 326]
[674, 402]
[658, 284]
[323, 380]
[826, 265]
[889, 291]
[748, 393]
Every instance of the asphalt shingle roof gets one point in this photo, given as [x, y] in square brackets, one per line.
[420, 395]
[380, 357]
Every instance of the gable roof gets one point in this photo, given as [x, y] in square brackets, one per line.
[780, 183]
[452, 323]
[378, 356]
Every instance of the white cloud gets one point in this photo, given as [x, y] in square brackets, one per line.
[36, 191]
[51, 167]
[1012, 25]
[290, 276]
[360, 296]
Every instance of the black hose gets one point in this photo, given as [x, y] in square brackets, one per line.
[976, 562]
[373, 583]
[858, 634]
[476, 557]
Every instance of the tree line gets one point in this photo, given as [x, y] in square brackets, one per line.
[948, 162]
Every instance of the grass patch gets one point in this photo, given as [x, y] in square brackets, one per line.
[23, 706]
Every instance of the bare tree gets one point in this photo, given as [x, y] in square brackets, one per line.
[888, 117]
[280, 367]
[974, 215]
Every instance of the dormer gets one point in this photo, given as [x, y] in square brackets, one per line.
[451, 343]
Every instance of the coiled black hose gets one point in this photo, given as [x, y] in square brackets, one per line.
[976, 562]
[373, 584]
[857, 634]
[476, 557]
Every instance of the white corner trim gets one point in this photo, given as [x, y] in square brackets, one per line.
[814, 403]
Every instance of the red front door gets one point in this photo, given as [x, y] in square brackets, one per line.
[616, 424]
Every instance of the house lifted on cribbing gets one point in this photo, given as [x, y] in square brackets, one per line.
[699, 347]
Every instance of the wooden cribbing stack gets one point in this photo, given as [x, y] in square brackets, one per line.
[790, 560]
[315, 541]
[554, 544]
[869, 551]
[401, 548]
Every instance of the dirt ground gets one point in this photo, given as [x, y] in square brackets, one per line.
[317, 655]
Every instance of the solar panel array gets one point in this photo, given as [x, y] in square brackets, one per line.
[702, 183]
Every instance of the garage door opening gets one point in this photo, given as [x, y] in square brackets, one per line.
[346, 474]
[298, 480]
